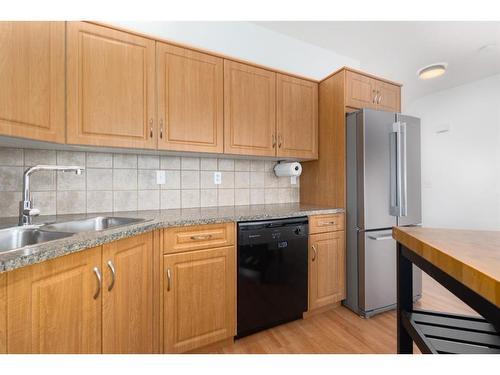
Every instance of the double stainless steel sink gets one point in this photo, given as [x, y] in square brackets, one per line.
[17, 237]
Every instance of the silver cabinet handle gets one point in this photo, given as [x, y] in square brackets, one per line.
[113, 275]
[161, 128]
[169, 279]
[99, 281]
[201, 237]
[315, 254]
[379, 97]
[327, 223]
[374, 100]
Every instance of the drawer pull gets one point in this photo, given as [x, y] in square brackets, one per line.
[201, 237]
[327, 223]
[169, 279]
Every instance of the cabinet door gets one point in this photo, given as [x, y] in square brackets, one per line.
[3, 313]
[389, 97]
[360, 90]
[190, 100]
[297, 117]
[32, 80]
[110, 87]
[55, 306]
[326, 269]
[199, 298]
[249, 110]
[128, 296]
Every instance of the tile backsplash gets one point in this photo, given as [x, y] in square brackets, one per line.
[127, 182]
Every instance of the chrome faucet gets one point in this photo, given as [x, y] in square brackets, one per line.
[26, 209]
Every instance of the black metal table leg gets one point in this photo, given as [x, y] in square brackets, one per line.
[405, 300]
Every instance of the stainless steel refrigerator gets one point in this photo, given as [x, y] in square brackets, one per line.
[383, 190]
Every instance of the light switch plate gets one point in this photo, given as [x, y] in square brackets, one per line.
[161, 178]
[217, 178]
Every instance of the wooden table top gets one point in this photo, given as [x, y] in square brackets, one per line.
[471, 257]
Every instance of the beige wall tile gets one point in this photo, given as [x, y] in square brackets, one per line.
[43, 181]
[148, 200]
[226, 197]
[71, 202]
[226, 165]
[257, 179]
[227, 181]
[242, 165]
[9, 203]
[99, 201]
[11, 178]
[241, 179]
[170, 162]
[208, 198]
[257, 196]
[11, 156]
[271, 196]
[34, 157]
[45, 201]
[173, 180]
[190, 179]
[70, 158]
[192, 164]
[170, 199]
[257, 165]
[125, 200]
[124, 161]
[125, 179]
[99, 160]
[208, 164]
[284, 195]
[99, 179]
[146, 180]
[270, 180]
[207, 180]
[241, 197]
[190, 198]
[148, 162]
[70, 181]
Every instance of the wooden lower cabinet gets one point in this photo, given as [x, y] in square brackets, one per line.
[199, 298]
[54, 307]
[326, 269]
[3, 313]
[127, 316]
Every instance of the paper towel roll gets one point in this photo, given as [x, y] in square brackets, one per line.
[287, 169]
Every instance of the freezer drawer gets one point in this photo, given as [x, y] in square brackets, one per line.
[378, 272]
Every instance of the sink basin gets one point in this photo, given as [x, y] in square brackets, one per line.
[91, 225]
[17, 237]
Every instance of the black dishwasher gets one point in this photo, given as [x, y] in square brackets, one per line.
[272, 273]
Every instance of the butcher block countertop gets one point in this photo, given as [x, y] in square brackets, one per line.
[471, 257]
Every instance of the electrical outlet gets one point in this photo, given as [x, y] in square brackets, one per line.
[217, 178]
[161, 178]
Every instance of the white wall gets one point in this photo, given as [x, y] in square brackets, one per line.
[248, 41]
[461, 167]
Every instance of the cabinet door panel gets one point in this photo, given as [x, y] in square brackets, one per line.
[111, 80]
[199, 299]
[388, 97]
[51, 306]
[326, 269]
[128, 306]
[3, 313]
[190, 100]
[249, 110]
[32, 80]
[360, 91]
[297, 117]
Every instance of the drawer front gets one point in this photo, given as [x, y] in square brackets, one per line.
[326, 223]
[198, 237]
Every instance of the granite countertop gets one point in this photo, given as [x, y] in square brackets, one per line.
[154, 220]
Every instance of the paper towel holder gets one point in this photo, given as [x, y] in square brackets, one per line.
[288, 169]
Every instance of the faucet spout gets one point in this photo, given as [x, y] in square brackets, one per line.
[26, 209]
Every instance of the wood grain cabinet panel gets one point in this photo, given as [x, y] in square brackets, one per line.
[389, 97]
[249, 110]
[190, 100]
[3, 313]
[198, 237]
[199, 298]
[110, 87]
[127, 320]
[326, 269]
[52, 307]
[32, 80]
[297, 117]
[360, 90]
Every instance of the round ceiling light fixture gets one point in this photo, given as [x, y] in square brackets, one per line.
[432, 71]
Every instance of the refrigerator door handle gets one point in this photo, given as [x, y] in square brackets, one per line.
[381, 237]
[403, 179]
[396, 172]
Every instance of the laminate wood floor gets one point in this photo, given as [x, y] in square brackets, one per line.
[340, 331]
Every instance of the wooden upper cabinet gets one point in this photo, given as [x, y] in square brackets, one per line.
[54, 307]
[297, 117]
[249, 110]
[32, 80]
[190, 100]
[127, 317]
[326, 269]
[199, 298]
[389, 97]
[360, 90]
[110, 87]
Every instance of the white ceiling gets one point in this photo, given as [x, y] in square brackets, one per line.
[396, 50]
